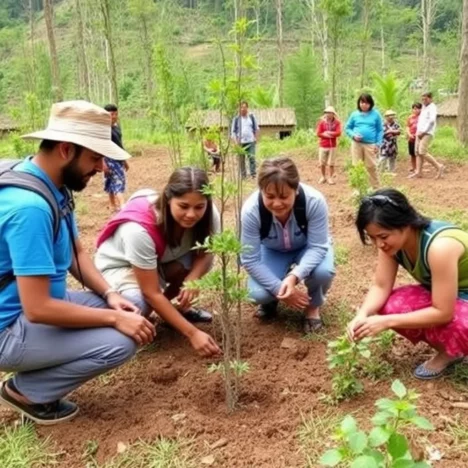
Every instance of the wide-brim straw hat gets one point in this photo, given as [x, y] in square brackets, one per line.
[330, 110]
[389, 113]
[84, 124]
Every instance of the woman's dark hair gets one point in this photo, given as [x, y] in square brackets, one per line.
[365, 97]
[390, 209]
[416, 105]
[278, 171]
[111, 108]
[182, 181]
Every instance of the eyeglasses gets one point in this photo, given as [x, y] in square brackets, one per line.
[379, 200]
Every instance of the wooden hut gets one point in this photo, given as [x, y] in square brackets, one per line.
[7, 126]
[447, 112]
[276, 123]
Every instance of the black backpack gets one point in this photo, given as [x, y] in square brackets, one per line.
[266, 218]
[26, 181]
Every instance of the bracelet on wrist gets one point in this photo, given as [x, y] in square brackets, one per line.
[107, 292]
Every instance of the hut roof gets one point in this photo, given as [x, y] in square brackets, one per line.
[7, 124]
[448, 108]
[278, 117]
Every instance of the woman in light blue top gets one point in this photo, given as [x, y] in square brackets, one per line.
[285, 232]
[365, 128]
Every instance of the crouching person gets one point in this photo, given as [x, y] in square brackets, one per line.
[146, 252]
[55, 340]
[285, 230]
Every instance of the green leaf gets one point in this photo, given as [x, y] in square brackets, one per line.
[403, 464]
[380, 419]
[421, 464]
[358, 442]
[364, 461]
[348, 425]
[399, 389]
[378, 436]
[331, 458]
[422, 423]
[366, 354]
[397, 445]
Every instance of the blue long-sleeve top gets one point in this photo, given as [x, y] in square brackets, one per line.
[367, 124]
[285, 239]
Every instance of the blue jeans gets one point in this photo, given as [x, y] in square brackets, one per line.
[52, 361]
[279, 263]
[249, 149]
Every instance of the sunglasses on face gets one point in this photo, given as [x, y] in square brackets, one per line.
[379, 200]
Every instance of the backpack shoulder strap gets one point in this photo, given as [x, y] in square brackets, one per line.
[266, 218]
[300, 211]
[26, 181]
[254, 123]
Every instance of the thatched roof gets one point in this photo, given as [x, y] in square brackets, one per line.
[7, 124]
[448, 108]
[280, 117]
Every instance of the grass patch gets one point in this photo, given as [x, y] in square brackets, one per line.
[459, 433]
[447, 145]
[313, 431]
[341, 255]
[163, 453]
[20, 447]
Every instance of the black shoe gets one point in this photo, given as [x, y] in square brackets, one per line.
[198, 316]
[41, 413]
[267, 311]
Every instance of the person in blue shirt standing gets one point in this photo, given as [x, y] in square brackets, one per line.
[286, 239]
[244, 133]
[52, 339]
[365, 128]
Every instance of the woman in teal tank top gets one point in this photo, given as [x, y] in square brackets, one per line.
[435, 253]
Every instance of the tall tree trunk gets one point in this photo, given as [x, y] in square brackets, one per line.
[48, 14]
[382, 35]
[336, 26]
[428, 14]
[32, 32]
[112, 70]
[366, 11]
[279, 35]
[463, 83]
[82, 59]
[148, 51]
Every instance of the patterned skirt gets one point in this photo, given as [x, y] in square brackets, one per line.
[115, 179]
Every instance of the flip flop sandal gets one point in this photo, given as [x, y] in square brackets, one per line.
[423, 373]
[312, 325]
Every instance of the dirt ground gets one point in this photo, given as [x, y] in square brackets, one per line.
[166, 391]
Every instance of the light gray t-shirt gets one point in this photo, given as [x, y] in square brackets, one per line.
[131, 245]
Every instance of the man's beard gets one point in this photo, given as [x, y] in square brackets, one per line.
[73, 179]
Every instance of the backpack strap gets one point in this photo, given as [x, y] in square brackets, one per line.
[11, 178]
[266, 218]
[254, 123]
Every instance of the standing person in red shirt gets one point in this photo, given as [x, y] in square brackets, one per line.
[328, 130]
[411, 127]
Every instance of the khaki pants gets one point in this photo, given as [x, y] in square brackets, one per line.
[327, 156]
[365, 152]
[422, 145]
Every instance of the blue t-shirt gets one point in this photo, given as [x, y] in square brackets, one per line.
[367, 124]
[27, 242]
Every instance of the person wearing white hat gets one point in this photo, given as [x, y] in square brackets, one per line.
[328, 131]
[52, 339]
[389, 148]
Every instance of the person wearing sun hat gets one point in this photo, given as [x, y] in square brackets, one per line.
[54, 340]
[389, 148]
[328, 131]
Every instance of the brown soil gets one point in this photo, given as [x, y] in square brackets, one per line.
[167, 392]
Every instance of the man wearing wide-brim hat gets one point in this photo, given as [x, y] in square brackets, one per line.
[54, 340]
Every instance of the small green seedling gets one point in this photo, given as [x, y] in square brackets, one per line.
[344, 358]
[385, 446]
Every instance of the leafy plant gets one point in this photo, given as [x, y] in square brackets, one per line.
[389, 91]
[344, 359]
[359, 181]
[386, 445]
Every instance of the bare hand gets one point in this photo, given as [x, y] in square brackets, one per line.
[287, 287]
[298, 300]
[357, 138]
[117, 302]
[126, 166]
[136, 327]
[355, 322]
[376, 149]
[204, 344]
[185, 299]
[370, 326]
